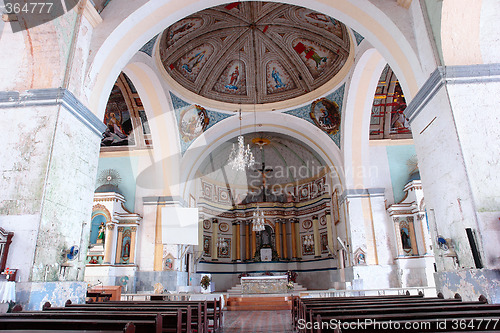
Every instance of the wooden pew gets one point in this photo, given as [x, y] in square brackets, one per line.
[174, 318]
[12, 324]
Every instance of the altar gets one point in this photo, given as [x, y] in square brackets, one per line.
[264, 284]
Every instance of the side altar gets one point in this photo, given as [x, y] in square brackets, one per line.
[264, 284]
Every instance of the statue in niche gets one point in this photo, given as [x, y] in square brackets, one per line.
[101, 234]
[405, 239]
[265, 238]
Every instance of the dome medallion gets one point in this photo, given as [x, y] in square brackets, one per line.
[254, 52]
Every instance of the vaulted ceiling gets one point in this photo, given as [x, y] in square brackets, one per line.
[254, 52]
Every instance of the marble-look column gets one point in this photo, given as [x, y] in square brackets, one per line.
[132, 245]
[277, 236]
[119, 245]
[247, 242]
[108, 242]
[294, 228]
[317, 238]
[238, 246]
[158, 259]
[285, 245]
[215, 241]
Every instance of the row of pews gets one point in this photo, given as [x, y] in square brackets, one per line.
[119, 316]
[397, 313]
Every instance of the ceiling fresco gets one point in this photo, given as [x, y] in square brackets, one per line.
[254, 52]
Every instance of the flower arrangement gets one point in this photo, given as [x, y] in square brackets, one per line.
[205, 282]
[10, 274]
[292, 276]
[290, 285]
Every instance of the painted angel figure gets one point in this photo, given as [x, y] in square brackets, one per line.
[277, 79]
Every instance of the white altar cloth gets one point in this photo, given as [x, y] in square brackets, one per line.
[7, 291]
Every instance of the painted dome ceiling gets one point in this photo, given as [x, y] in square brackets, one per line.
[290, 160]
[254, 52]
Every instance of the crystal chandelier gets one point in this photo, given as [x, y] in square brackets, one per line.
[258, 220]
[241, 157]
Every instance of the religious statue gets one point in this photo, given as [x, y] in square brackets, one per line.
[101, 233]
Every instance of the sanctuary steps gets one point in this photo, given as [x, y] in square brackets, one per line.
[259, 303]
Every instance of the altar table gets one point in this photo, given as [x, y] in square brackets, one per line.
[264, 284]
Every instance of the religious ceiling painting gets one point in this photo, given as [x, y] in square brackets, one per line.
[277, 78]
[148, 47]
[387, 119]
[314, 56]
[191, 64]
[325, 113]
[262, 52]
[233, 79]
[182, 28]
[118, 121]
[193, 120]
[321, 21]
[307, 249]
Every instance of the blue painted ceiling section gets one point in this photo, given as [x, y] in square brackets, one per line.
[148, 47]
[304, 111]
[358, 37]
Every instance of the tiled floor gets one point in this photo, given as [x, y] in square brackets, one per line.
[257, 321]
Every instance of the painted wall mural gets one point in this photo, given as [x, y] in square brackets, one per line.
[306, 249]
[118, 121]
[315, 56]
[321, 21]
[207, 243]
[181, 28]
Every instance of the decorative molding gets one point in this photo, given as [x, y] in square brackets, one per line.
[362, 192]
[444, 75]
[110, 226]
[53, 97]
[404, 3]
[163, 200]
[91, 14]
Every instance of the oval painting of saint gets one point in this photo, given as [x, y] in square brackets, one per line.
[326, 115]
[193, 121]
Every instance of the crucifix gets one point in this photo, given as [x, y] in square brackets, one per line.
[264, 171]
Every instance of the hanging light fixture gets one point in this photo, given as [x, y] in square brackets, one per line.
[258, 220]
[240, 157]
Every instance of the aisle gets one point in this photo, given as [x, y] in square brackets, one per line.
[257, 321]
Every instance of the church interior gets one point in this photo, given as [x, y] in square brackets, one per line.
[229, 149]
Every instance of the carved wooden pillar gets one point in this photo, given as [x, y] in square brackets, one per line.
[277, 236]
[317, 240]
[293, 227]
[108, 242]
[215, 233]
[285, 247]
[119, 245]
[254, 244]
[247, 242]
[237, 241]
[131, 259]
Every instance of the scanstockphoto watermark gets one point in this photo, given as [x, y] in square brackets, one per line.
[26, 14]
[418, 325]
